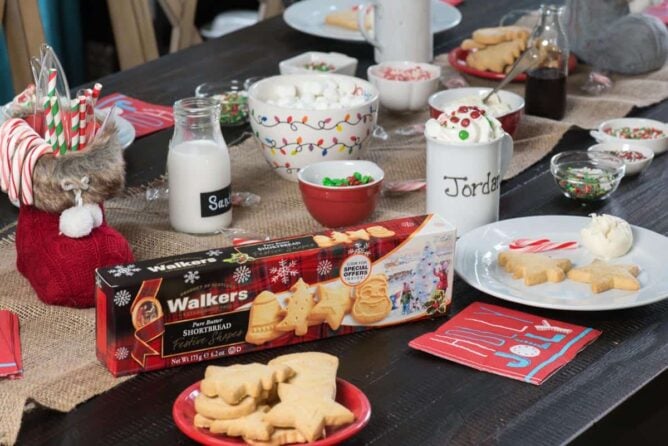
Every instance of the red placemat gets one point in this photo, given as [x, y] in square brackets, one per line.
[11, 365]
[660, 11]
[145, 117]
[506, 342]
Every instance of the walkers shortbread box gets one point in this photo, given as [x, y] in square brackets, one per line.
[223, 302]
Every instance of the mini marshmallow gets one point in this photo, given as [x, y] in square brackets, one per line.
[319, 95]
[285, 91]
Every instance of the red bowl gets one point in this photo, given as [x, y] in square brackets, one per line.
[509, 121]
[334, 207]
[457, 59]
[347, 394]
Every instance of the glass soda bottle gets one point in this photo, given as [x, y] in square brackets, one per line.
[545, 93]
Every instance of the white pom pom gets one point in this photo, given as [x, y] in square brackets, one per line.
[96, 211]
[76, 222]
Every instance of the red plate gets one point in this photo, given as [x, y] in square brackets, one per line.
[346, 394]
[457, 59]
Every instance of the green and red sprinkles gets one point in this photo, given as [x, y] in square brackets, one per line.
[356, 179]
[319, 66]
[635, 132]
[584, 183]
[233, 107]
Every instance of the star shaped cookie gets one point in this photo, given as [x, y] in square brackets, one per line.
[604, 276]
[535, 268]
[333, 304]
[252, 426]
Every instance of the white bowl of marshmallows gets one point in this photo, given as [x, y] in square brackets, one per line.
[300, 119]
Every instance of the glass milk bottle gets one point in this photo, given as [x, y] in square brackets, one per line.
[198, 166]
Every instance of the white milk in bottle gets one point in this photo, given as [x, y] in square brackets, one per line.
[198, 166]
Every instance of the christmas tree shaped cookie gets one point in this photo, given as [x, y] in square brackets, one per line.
[299, 307]
[533, 267]
[604, 276]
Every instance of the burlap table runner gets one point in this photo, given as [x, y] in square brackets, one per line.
[61, 369]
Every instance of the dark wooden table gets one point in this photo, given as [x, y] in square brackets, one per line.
[416, 398]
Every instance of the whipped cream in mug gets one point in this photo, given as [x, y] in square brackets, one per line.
[464, 124]
[494, 104]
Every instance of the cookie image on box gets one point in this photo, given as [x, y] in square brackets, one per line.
[372, 303]
[265, 314]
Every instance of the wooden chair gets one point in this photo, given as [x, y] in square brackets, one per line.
[269, 9]
[24, 35]
[134, 33]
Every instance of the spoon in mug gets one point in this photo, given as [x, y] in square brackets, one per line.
[523, 63]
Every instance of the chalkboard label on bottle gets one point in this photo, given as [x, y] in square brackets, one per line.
[216, 202]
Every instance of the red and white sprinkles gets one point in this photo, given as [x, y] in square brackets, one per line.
[20, 148]
[415, 73]
[540, 245]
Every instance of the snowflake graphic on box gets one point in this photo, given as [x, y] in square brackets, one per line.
[284, 271]
[122, 353]
[191, 277]
[361, 248]
[122, 298]
[242, 274]
[214, 252]
[124, 270]
[324, 267]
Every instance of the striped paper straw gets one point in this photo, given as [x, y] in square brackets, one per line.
[51, 86]
[49, 128]
[74, 124]
[82, 122]
[97, 88]
[58, 123]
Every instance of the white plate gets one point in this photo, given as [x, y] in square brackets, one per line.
[126, 132]
[308, 16]
[476, 263]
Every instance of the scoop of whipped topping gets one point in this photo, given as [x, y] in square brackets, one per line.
[494, 104]
[607, 236]
[464, 124]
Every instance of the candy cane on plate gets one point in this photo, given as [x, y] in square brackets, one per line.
[540, 245]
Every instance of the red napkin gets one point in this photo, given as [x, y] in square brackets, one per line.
[506, 342]
[660, 11]
[11, 365]
[452, 2]
[146, 118]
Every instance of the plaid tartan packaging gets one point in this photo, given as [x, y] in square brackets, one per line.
[183, 309]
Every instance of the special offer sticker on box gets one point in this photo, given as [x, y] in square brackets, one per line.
[506, 342]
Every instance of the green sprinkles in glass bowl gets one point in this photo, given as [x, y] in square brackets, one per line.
[587, 176]
[356, 179]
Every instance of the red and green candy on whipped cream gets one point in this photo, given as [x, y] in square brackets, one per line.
[464, 124]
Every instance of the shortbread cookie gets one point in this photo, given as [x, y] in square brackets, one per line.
[252, 426]
[496, 57]
[217, 408]
[347, 19]
[313, 370]
[470, 44]
[299, 307]
[323, 241]
[265, 314]
[535, 268]
[360, 234]
[279, 437]
[201, 421]
[493, 36]
[234, 383]
[372, 302]
[308, 413]
[604, 276]
[379, 231]
[340, 237]
[333, 304]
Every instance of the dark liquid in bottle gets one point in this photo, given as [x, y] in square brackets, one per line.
[545, 93]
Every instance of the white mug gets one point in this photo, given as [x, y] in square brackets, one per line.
[463, 180]
[401, 29]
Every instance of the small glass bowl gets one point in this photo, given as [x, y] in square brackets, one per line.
[233, 100]
[587, 176]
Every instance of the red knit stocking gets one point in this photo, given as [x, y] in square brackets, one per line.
[62, 269]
